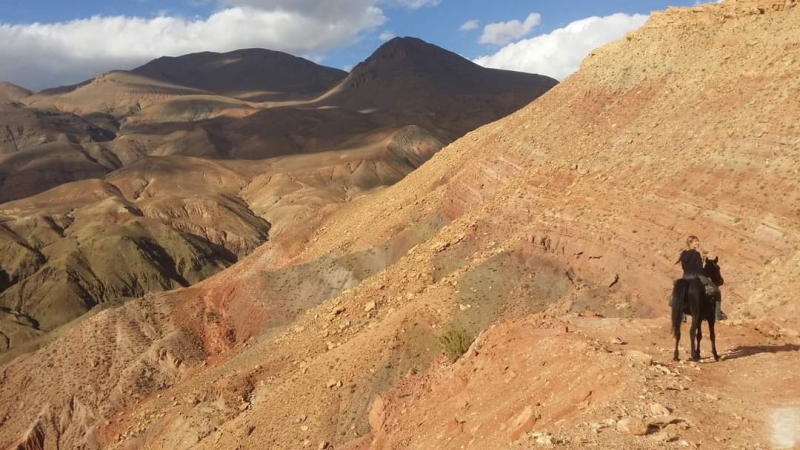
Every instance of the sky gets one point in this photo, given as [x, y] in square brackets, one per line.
[47, 43]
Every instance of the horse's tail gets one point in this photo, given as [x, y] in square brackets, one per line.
[678, 305]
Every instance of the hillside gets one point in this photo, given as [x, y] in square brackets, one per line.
[116, 93]
[183, 181]
[250, 74]
[10, 93]
[551, 234]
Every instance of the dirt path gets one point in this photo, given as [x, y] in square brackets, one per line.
[598, 383]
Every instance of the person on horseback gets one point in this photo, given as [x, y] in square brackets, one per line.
[692, 264]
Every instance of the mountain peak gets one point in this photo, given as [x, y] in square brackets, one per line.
[413, 54]
[414, 75]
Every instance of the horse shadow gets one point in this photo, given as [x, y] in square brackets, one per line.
[751, 350]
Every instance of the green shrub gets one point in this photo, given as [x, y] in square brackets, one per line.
[455, 342]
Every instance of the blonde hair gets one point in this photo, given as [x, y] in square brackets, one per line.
[691, 239]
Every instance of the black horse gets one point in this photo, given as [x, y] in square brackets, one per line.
[691, 298]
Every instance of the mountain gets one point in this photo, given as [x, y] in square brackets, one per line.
[410, 75]
[182, 180]
[256, 75]
[250, 74]
[549, 235]
[10, 93]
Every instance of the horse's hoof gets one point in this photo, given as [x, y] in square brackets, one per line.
[695, 358]
[716, 357]
[676, 359]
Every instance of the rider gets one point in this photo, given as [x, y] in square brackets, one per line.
[692, 264]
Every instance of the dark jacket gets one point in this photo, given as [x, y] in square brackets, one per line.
[691, 262]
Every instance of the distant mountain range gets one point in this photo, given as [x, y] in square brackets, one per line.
[150, 179]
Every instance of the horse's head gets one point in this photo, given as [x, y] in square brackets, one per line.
[713, 272]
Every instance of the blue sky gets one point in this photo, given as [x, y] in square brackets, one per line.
[54, 42]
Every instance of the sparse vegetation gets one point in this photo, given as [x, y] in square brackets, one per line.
[455, 342]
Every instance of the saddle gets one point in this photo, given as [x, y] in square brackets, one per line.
[710, 289]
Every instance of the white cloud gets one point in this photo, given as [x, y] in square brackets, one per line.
[386, 36]
[502, 33]
[559, 53]
[416, 4]
[470, 25]
[45, 55]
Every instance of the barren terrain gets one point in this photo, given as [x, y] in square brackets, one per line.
[148, 180]
[549, 236]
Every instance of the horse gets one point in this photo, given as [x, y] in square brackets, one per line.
[691, 297]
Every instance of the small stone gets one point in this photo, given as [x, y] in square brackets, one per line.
[638, 357]
[659, 410]
[377, 414]
[523, 424]
[370, 306]
[545, 440]
[662, 422]
[331, 383]
[632, 426]
[616, 341]
[304, 428]
[712, 397]
[323, 445]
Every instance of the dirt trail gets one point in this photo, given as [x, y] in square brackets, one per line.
[589, 382]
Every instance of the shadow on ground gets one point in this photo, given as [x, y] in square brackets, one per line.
[745, 351]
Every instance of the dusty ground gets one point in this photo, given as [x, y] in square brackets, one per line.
[591, 387]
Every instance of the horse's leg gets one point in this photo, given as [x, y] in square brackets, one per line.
[693, 337]
[699, 336]
[713, 335]
[675, 356]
